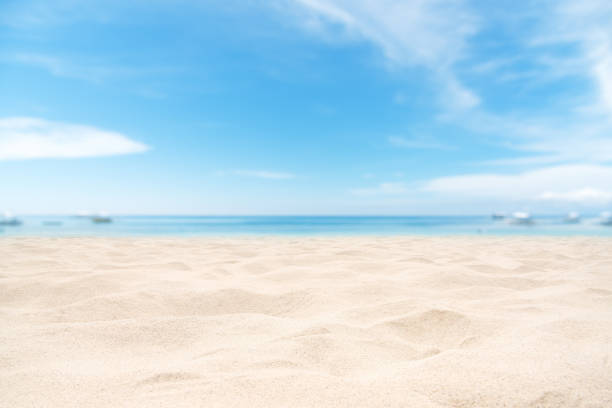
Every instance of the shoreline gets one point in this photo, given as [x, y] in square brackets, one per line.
[310, 236]
[302, 226]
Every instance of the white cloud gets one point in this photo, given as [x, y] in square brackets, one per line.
[428, 33]
[417, 32]
[585, 195]
[435, 35]
[560, 40]
[33, 138]
[457, 96]
[556, 188]
[603, 72]
[588, 184]
[587, 24]
[543, 140]
[575, 145]
[264, 174]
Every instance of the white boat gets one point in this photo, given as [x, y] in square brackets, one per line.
[9, 219]
[521, 218]
[606, 218]
[572, 218]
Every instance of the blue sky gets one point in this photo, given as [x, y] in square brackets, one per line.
[305, 106]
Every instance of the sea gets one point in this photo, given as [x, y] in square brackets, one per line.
[193, 226]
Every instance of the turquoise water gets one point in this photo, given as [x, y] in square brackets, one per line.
[299, 225]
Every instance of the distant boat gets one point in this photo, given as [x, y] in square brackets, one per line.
[498, 216]
[101, 219]
[521, 218]
[9, 220]
[572, 218]
[606, 218]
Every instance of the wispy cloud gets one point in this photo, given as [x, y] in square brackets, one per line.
[587, 25]
[64, 68]
[33, 138]
[426, 33]
[557, 40]
[587, 184]
[545, 140]
[90, 69]
[572, 40]
[585, 195]
[414, 32]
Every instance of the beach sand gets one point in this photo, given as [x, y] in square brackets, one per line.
[306, 322]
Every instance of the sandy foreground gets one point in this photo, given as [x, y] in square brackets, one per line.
[306, 322]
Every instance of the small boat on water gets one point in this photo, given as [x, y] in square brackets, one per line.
[9, 220]
[521, 218]
[498, 216]
[572, 218]
[606, 218]
[102, 218]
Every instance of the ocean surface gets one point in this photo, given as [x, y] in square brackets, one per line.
[299, 225]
